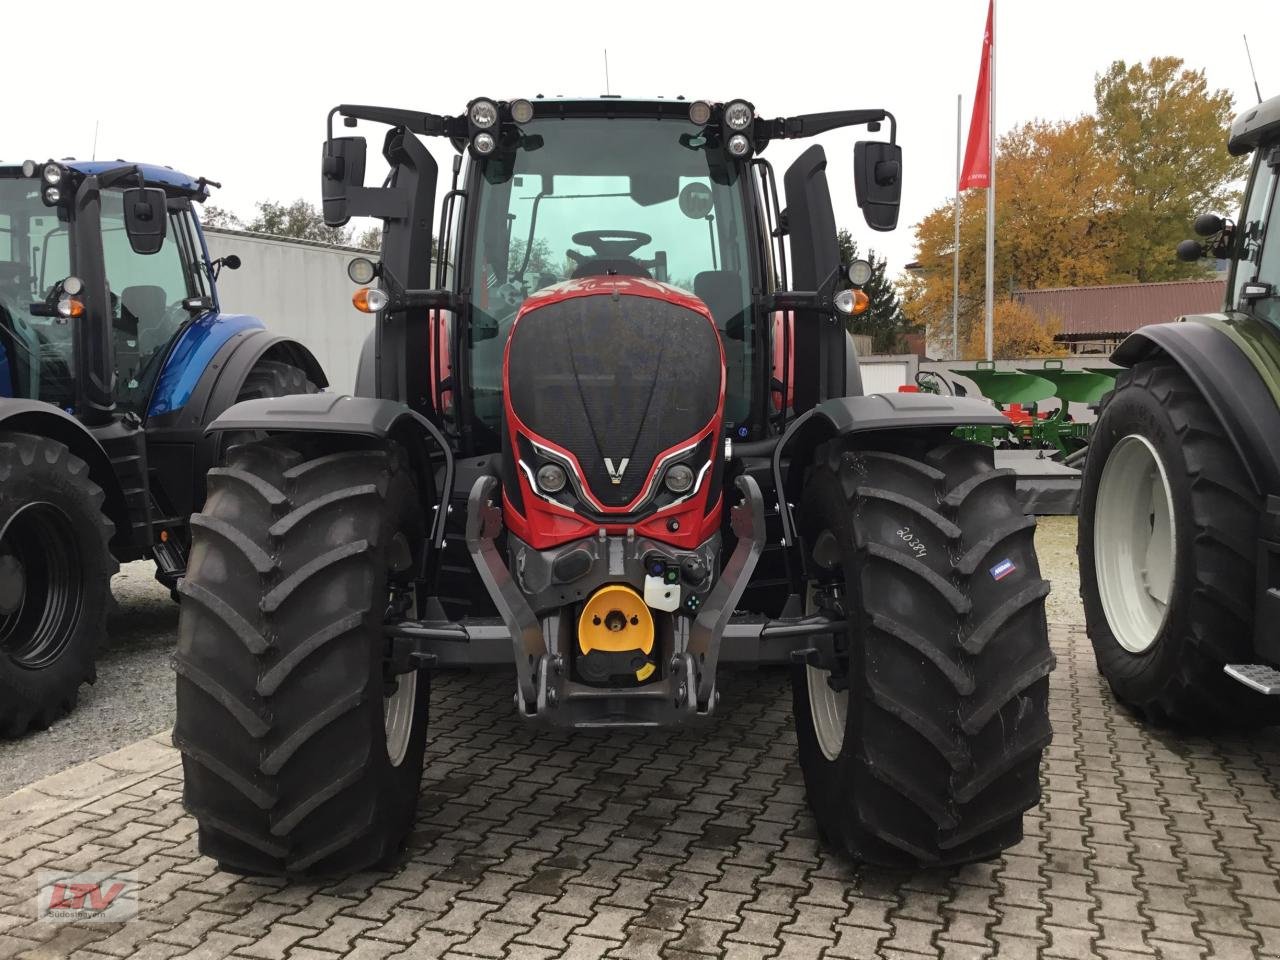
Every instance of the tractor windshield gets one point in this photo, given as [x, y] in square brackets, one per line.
[36, 357]
[587, 197]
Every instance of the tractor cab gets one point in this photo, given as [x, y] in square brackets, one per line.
[93, 293]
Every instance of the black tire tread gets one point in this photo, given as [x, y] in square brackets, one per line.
[275, 689]
[948, 675]
[1217, 627]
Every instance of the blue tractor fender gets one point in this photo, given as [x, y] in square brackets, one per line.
[202, 377]
[46, 420]
[1228, 381]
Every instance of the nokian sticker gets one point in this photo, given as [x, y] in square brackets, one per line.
[1002, 569]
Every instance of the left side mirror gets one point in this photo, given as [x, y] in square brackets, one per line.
[877, 181]
[145, 219]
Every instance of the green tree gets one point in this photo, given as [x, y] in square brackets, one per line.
[299, 220]
[1165, 131]
[883, 319]
[213, 216]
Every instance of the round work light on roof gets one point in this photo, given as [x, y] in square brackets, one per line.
[738, 115]
[700, 113]
[29, 168]
[739, 145]
[52, 195]
[483, 143]
[52, 174]
[521, 111]
[484, 114]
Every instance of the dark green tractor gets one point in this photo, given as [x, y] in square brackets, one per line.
[1180, 507]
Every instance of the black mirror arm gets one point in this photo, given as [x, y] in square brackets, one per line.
[812, 124]
[426, 124]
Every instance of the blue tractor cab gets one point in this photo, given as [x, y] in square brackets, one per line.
[114, 356]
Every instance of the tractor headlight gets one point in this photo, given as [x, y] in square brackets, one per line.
[551, 478]
[700, 113]
[678, 479]
[362, 270]
[738, 115]
[52, 195]
[483, 143]
[860, 272]
[52, 174]
[484, 114]
[739, 145]
[521, 111]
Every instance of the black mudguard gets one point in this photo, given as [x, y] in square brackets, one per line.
[1228, 381]
[877, 412]
[45, 420]
[359, 416]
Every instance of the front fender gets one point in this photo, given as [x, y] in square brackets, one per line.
[338, 414]
[1211, 351]
[189, 360]
[877, 412]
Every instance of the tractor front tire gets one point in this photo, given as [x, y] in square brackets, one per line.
[273, 378]
[921, 728]
[1167, 538]
[302, 755]
[55, 580]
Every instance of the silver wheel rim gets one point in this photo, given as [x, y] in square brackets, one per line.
[1134, 543]
[828, 709]
[397, 712]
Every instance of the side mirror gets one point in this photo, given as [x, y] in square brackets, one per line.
[231, 262]
[341, 168]
[145, 219]
[877, 181]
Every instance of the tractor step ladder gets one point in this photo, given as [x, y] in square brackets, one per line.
[1256, 676]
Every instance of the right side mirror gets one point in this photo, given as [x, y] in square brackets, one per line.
[877, 181]
[341, 167]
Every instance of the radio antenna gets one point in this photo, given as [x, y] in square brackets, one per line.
[607, 91]
[1247, 53]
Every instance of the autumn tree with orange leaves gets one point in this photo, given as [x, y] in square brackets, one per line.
[1100, 199]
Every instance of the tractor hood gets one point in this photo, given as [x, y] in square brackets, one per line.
[616, 380]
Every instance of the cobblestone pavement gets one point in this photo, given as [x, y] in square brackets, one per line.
[686, 844]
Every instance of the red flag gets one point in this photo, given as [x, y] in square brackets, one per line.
[976, 171]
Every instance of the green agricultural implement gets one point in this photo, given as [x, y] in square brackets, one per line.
[1018, 394]
[1180, 499]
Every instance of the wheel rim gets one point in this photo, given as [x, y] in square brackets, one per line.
[40, 596]
[1134, 543]
[397, 712]
[828, 708]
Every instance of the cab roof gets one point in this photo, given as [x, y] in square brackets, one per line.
[174, 181]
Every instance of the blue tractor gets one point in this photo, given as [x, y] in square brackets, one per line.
[114, 356]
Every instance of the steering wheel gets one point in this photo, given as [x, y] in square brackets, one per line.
[611, 244]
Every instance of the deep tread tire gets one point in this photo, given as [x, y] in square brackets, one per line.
[273, 378]
[947, 666]
[280, 659]
[32, 470]
[1178, 681]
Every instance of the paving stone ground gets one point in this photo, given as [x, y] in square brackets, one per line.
[687, 844]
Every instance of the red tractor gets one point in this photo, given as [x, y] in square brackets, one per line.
[628, 402]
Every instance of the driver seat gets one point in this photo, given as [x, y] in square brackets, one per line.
[145, 305]
[604, 266]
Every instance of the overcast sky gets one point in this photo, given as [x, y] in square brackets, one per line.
[238, 91]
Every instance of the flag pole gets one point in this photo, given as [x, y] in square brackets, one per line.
[991, 187]
[955, 256]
